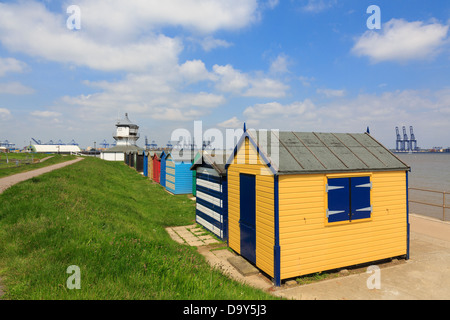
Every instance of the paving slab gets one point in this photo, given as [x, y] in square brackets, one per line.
[243, 266]
[190, 235]
[210, 241]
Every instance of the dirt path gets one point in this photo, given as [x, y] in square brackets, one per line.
[9, 181]
[46, 158]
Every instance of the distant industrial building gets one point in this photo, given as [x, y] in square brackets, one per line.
[126, 136]
[52, 147]
[55, 148]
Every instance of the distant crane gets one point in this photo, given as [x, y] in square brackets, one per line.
[412, 141]
[73, 143]
[37, 141]
[405, 140]
[405, 144]
[399, 141]
[104, 144]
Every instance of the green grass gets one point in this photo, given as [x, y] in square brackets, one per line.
[108, 220]
[11, 168]
[23, 155]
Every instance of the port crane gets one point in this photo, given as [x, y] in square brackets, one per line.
[405, 140]
[405, 143]
[104, 144]
[399, 141]
[412, 141]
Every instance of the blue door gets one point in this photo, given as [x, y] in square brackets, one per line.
[145, 165]
[360, 200]
[162, 179]
[338, 190]
[247, 220]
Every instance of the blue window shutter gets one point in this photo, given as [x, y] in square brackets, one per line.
[360, 198]
[338, 190]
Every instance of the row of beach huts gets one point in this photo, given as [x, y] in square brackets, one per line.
[300, 203]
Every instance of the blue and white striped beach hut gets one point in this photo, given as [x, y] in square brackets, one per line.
[211, 193]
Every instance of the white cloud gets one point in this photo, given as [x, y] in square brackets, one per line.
[5, 114]
[205, 16]
[237, 82]
[38, 32]
[402, 41]
[231, 123]
[280, 64]
[306, 81]
[266, 88]
[15, 88]
[128, 36]
[11, 65]
[231, 80]
[269, 4]
[209, 43]
[117, 35]
[194, 71]
[150, 95]
[45, 114]
[278, 110]
[422, 109]
[330, 93]
[203, 100]
[316, 6]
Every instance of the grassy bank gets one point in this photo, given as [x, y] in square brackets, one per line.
[11, 168]
[108, 220]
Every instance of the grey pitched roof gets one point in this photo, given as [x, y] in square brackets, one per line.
[126, 122]
[217, 160]
[123, 149]
[310, 152]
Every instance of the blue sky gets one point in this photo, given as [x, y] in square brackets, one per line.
[303, 65]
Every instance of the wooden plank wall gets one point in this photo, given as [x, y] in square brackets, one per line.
[310, 244]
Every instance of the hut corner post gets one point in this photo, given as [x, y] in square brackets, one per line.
[276, 248]
[407, 217]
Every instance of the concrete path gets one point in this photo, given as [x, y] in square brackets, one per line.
[192, 235]
[9, 181]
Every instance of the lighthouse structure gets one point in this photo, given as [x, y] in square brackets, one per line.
[127, 133]
[126, 136]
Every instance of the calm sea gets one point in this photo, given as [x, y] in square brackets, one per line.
[429, 171]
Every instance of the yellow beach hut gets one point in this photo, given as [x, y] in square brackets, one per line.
[305, 202]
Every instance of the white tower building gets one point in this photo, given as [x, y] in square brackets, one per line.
[126, 136]
[126, 132]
